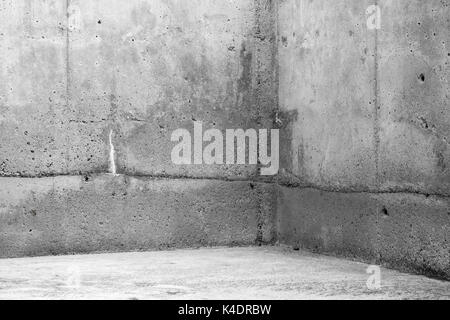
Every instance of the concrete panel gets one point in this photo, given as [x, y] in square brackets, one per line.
[64, 215]
[414, 95]
[151, 67]
[73, 71]
[365, 109]
[38, 132]
[326, 92]
[403, 231]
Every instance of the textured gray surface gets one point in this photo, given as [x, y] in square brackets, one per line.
[365, 115]
[359, 111]
[139, 68]
[217, 273]
[405, 231]
[117, 213]
[366, 110]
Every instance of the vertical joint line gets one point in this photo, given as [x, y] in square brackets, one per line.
[377, 108]
[67, 53]
[67, 98]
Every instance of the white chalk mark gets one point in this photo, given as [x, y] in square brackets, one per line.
[112, 155]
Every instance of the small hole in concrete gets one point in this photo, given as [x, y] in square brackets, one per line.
[99, 21]
[422, 77]
[384, 211]
[252, 186]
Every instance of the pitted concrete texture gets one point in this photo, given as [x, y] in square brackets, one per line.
[216, 273]
[73, 71]
[404, 231]
[364, 114]
[360, 110]
[365, 109]
[117, 213]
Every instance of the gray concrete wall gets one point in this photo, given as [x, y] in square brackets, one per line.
[366, 118]
[139, 68]
[404, 231]
[62, 215]
[363, 114]
[72, 72]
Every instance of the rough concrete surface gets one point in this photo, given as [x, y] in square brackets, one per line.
[361, 111]
[140, 69]
[365, 115]
[366, 109]
[404, 231]
[117, 213]
[217, 273]
[326, 70]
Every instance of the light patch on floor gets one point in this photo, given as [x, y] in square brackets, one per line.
[213, 273]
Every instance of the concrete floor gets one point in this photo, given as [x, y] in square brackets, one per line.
[214, 273]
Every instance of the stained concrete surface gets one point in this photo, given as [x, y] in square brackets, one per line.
[365, 109]
[365, 117]
[406, 231]
[63, 215]
[213, 273]
[359, 110]
[72, 71]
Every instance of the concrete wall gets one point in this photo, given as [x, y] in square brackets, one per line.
[365, 115]
[73, 72]
[63, 215]
[404, 231]
[139, 68]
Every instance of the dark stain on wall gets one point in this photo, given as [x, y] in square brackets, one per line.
[142, 214]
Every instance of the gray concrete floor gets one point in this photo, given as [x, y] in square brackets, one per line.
[213, 273]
